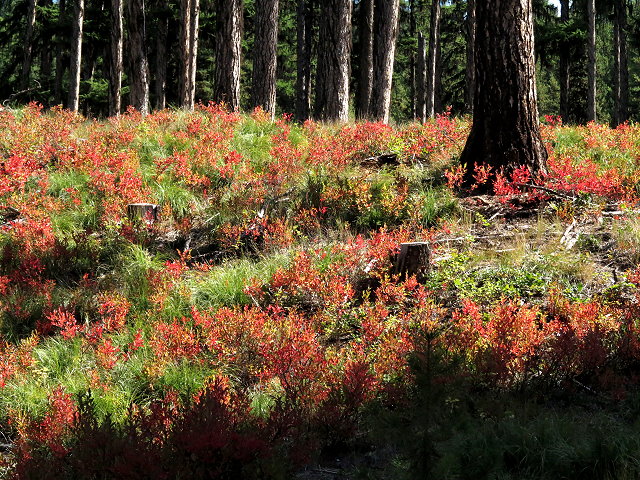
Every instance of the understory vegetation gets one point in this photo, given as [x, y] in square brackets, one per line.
[258, 327]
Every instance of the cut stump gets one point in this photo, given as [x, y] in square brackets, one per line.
[414, 259]
[147, 212]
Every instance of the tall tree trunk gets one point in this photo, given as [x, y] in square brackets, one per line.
[46, 58]
[591, 55]
[228, 53]
[60, 52]
[76, 56]
[189, 31]
[621, 64]
[139, 90]
[438, 89]
[195, 33]
[505, 133]
[421, 79]
[334, 61]
[365, 78]
[386, 33]
[116, 65]
[304, 27]
[432, 58]
[263, 82]
[470, 70]
[412, 57]
[161, 55]
[564, 64]
[28, 44]
[185, 52]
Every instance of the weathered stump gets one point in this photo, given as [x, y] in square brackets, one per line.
[147, 212]
[414, 259]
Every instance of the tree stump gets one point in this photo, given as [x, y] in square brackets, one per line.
[414, 259]
[147, 212]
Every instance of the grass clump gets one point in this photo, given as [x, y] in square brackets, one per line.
[225, 285]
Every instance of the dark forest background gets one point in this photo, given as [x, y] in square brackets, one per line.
[37, 46]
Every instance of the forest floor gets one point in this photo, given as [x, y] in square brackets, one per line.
[255, 322]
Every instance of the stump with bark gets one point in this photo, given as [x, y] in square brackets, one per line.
[147, 212]
[414, 259]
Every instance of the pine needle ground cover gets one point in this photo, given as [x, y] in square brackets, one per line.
[257, 328]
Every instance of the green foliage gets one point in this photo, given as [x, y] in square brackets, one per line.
[224, 285]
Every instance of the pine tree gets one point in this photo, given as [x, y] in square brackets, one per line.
[28, 43]
[470, 68]
[139, 93]
[591, 55]
[228, 53]
[386, 32]
[334, 61]
[263, 83]
[621, 64]
[432, 57]
[304, 42]
[365, 78]
[116, 63]
[162, 35]
[189, 26]
[76, 56]
[505, 133]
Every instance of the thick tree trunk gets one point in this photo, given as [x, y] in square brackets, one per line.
[621, 64]
[263, 82]
[139, 96]
[432, 58]
[76, 56]
[421, 79]
[304, 26]
[591, 56]
[334, 61]
[365, 77]
[28, 44]
[470, 70]
[161, 55]
[60, 52]
[505, 133]
[564, 64]
[386, 33]
[228, 53]
[116, 64]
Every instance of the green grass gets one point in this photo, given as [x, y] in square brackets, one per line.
[224, 285]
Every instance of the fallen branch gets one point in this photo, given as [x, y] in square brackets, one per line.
[543, 189]
[26, 90]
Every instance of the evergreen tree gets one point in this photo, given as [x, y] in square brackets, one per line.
[505, 132]
[334, 61]
[76, 56]
[387, 14]
[228, 53]
[263, 84]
